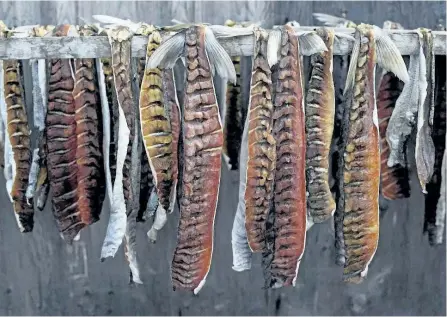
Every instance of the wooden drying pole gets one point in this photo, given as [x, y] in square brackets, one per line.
[407, 42]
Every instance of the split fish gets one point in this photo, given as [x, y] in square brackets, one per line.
[200, 150]
[361, 159]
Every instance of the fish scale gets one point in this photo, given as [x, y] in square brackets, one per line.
[19, 136]
[204, 148]
[261, 147]
[361, 177]
[290, 189]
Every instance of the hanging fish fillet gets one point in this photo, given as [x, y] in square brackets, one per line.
[120, 41]
[403, 118]
[361, 155]
[435, 200]
[425, 149]
[202, 140]
[160, 133]
[234, 117]
[394, 180]
[290, 178]
[3, 142]
[18, 133]
[320, 110]
[261, 146]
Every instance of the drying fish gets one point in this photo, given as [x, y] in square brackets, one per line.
[320, 110]
[394, 180]
[233, 116]
[403, 118]
[290, 219]
[160, 126]
[17, 131]
[425, 149]
[261, 146]
[435, 200]
[360, 202]
[201, 149]
[3, 142]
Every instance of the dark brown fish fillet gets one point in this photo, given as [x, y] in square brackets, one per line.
[202, 142]
[88, 118]
[438, 136]
[121, 50]
[290, 177]
[361, 164]
[394, 180]
[261, 147]
[146, 185]
[320, 111]
[234, 121]
[18, 132]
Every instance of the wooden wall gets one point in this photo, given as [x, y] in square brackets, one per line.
[41, 275]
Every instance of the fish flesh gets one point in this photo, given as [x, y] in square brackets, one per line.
[435, 199]
[394, 180]
[120, 42]
[290, 174]
[261, 160]
[200, 149]
[160, 133]
[18, 134]
[425, 149]
[320, 111]
[361, 176]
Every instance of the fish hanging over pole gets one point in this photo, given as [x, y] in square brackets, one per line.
[160, 126]
[18, 154]
[289, 202]
[394, 180]
[320, 111]
[361, 176]
[201, 149]
[258, 159]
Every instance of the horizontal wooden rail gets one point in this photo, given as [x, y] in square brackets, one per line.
[98, 46]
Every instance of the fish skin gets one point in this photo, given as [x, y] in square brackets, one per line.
[435, 199]
[261, 160]
[361, 163]
[18, 132]
[201, 149]
[320, 111]
[290, 175]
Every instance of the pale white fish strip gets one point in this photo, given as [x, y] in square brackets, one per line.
[159, 222]
[273, 44]
[105, 128]
[424, 142]
[242, 255]
[39, 77]
[117, 222]
[131, 253]
[403, 117]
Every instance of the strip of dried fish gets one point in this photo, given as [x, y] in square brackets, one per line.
[361, 156]
[200, 147]
[425, 149]
[290, 177]
[320, 111]
[261, 146]
[242, 254]
[394, 180]
[160, 132]
[18, 132]
[435, 200]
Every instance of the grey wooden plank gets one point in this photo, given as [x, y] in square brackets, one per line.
[98, 46]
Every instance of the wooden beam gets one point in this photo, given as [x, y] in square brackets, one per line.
[98, 46]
